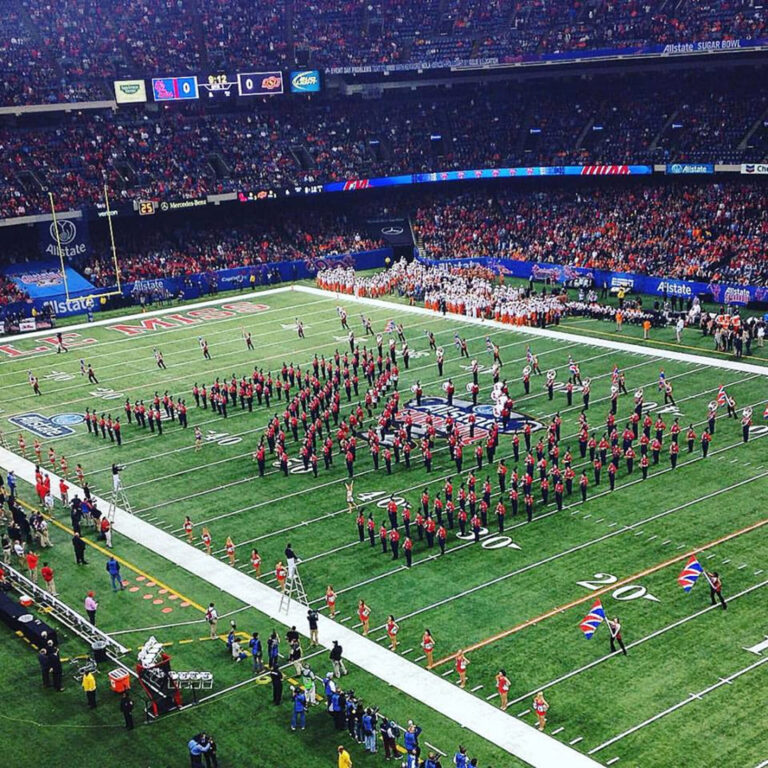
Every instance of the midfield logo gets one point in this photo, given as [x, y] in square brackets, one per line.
[438, 408]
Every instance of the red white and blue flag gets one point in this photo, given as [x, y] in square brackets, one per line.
[573, 367]
[529, 355]
[722, 397]
[389, 327]
[592, 620]
[615, 373]
[690, 574]
[488, 344]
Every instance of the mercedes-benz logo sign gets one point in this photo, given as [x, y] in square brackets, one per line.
[163, 206]
[67, 231]
[391, 230]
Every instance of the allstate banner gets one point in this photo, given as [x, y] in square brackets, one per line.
[73, 237]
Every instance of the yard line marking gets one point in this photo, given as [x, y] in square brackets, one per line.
[613, 760]
[725, 562]
[758, 571]
[406, 651]
[665, 542]
[558, 730]
[576, 740]
[432, 746]
[492, 696]
[540, 517]
[447, 672]
[598, 592]
[476, 688]
[600, 520]
[679, 705]
[743, 565]
[524, 713]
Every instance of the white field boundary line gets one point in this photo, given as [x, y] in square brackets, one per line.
[728, 365]
[639, 641]
[466, 709]
[550, 558]
[691, 697]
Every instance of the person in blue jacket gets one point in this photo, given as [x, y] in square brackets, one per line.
[411, 738]
[113, 569]
[299, 715]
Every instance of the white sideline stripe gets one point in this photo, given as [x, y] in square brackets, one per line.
[639, 641]
[674, 707]
[515, 737]
[558, 730]
[613, 760]
[683, 357]
[476, 688]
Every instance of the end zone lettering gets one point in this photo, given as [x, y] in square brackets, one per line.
[70, 339]
[192, 317]
[40, 425]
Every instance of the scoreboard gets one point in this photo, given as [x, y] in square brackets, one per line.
[259, 83]
[175, 88]
[221, 85]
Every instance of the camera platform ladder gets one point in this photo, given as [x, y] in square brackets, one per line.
[118, 498]
[294, 590]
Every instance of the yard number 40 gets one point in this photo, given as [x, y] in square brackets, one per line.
[627, 592]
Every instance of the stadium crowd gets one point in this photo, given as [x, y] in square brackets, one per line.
[706, 231]
[72, 53]
[188, 153]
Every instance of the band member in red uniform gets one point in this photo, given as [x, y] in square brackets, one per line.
[583, 483]
[716, 588]
[614, 627]
[706, 439]
[408, 550]
[691, 437]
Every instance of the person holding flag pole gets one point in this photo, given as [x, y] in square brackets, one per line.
[614, 627]
[690, 575]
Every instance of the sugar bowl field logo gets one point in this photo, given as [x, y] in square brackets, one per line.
[439, 410]
[48, 427]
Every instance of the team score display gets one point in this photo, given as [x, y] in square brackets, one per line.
[147, 207]
[627, 592]
[259, 83]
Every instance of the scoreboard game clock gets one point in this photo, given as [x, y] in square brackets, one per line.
[175, 88]
[217, 85]
[147, 207]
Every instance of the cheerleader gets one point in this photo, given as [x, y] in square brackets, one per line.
[188, 527]
[330, 601]
[502, 686]
[462, 662]
[256, 562]
[392, 630]
[540, 707]
[428, 646]
[364, 614]
[230, 550]
[207, 541]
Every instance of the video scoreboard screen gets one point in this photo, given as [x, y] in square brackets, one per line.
[175, 88]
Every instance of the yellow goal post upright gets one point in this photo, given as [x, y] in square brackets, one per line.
[113, 248]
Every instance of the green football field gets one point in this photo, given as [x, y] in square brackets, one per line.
[686, 689]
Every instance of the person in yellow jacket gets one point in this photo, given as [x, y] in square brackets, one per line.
[89, 686]
[345, 761]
